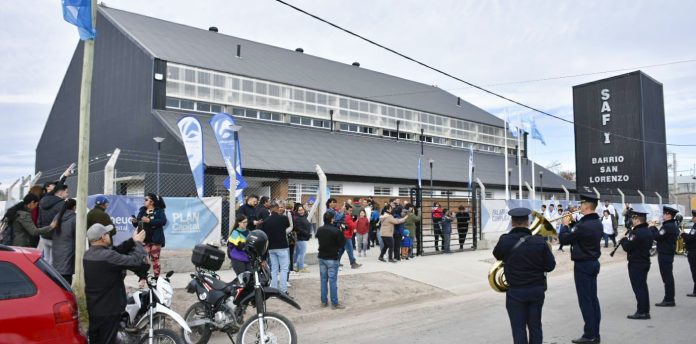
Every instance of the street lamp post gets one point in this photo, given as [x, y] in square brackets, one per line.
[159, 145]
[541, 184]
[509, 176]
[431, 161]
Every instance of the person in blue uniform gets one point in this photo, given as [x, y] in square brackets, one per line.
[666, 239]
[690, 245]
[585, 248]
[637, 244]
[527, 259]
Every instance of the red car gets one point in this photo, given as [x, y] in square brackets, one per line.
[36, 303]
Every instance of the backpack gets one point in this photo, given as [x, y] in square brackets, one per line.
[6, 232]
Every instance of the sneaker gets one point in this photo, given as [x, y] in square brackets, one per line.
[392, 261]
[338, 306]
[324, 304]
[289, 285]
[381, 259]
[295, 270]
[355, 265]
[304, 270]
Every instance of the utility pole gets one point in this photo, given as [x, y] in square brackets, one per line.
[83, 163]
[674, 174]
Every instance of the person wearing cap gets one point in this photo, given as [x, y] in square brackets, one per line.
[690, 245]
[527, 259]
[666, 239]
[98, 213]
[638, 244]
[585, 248]
[104, 269]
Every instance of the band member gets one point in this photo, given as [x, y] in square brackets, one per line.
[637, 244]
[666, 239]
[585, 250]
[690, 244]
[527, 259]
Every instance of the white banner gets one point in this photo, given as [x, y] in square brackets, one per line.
[494, 217]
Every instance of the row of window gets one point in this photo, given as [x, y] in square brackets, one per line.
[190, 82]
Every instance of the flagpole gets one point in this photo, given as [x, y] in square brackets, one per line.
[519, 159]
[507, 177]
[529, 158]
[83, 163]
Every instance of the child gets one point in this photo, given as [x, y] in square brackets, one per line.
[363, 227]
[406, 244]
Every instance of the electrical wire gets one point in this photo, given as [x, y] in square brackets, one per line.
[481, 88]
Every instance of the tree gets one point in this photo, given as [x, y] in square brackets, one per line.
[567, 175]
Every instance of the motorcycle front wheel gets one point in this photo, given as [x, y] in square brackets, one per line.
[199, 334]
[162, 336]
[277, 328]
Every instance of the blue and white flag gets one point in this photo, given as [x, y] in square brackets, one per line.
[536, 134]
[228, 141]
[514, 131]
[471, 164]
[420, 173]
[192, 137]
[79, 13]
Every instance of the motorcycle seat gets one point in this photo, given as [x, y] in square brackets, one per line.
[215, 283]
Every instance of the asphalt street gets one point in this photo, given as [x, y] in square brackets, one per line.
[481, 317]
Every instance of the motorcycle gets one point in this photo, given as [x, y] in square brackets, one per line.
[222, 306]
[147, 312]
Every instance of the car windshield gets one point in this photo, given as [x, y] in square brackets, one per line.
[51, 272]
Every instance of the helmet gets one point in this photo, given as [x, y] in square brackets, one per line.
[257, 242]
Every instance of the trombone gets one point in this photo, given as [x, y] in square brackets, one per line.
[540, 226]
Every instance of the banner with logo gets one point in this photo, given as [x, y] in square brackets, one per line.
[228, 141]
[192, 137]
[190, 220]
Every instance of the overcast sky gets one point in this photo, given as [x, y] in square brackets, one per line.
[485, 42]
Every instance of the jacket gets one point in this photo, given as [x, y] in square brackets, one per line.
[154, 231]
[98, 215]
[690, 240]
[446, 224]
[584, 238]
[302, 227]
[527, 264]
[104, 272]
[330, 241]
[638, 244]
[463, 218]
[363, 225]
[64, 245]
[666, 238]
[388, 222]
[24, 230]
[410, 224]
[49, 206]
[349, 228]
[236, 243]
[437, 214]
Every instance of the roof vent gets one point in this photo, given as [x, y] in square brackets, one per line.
[213, 29]
[357, 64]
[239, 51]
[299, 50]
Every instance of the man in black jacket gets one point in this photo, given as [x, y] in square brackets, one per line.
[637, 245]
[330, 239]
[104, 269]
[585, 250]
[666, 239]
[248, 209]
[690, 245]
[527, 259]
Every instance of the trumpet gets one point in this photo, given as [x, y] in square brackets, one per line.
[540, 226]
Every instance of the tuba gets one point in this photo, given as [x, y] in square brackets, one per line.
[540, 226]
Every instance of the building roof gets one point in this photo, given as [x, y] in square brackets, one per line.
[279, 147]
[216, 51]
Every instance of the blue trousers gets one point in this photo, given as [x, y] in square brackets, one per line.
[586, 287]
[524, 309]
[328, 273]
[347, 246]
[638, 274]
[665, 263]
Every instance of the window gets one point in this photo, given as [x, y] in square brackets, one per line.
[203, 107]
[336, 189]
[404, 192]
[238, 112]
[247, 85]
[51, 272]
[215, 108]
[382, 191]
[186, 104]
[251, 113]
[172, 102]
[265, 115]
[295, 119]
[14, 283]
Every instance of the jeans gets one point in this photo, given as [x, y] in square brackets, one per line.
[446, 238]
[381, 242]
[300, 251]
[348, 246]
[607, 237]
[361, 240]
[524, 309]
[586, 286]
[388, 245]
[328, 272]
[279, 261]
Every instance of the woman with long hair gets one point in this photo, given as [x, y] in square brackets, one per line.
[151, 219]
[64, 240]
[303, 230]
[236, 243]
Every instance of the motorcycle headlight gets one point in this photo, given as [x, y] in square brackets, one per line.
[202, 296]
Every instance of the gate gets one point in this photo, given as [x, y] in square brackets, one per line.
[429, 235]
